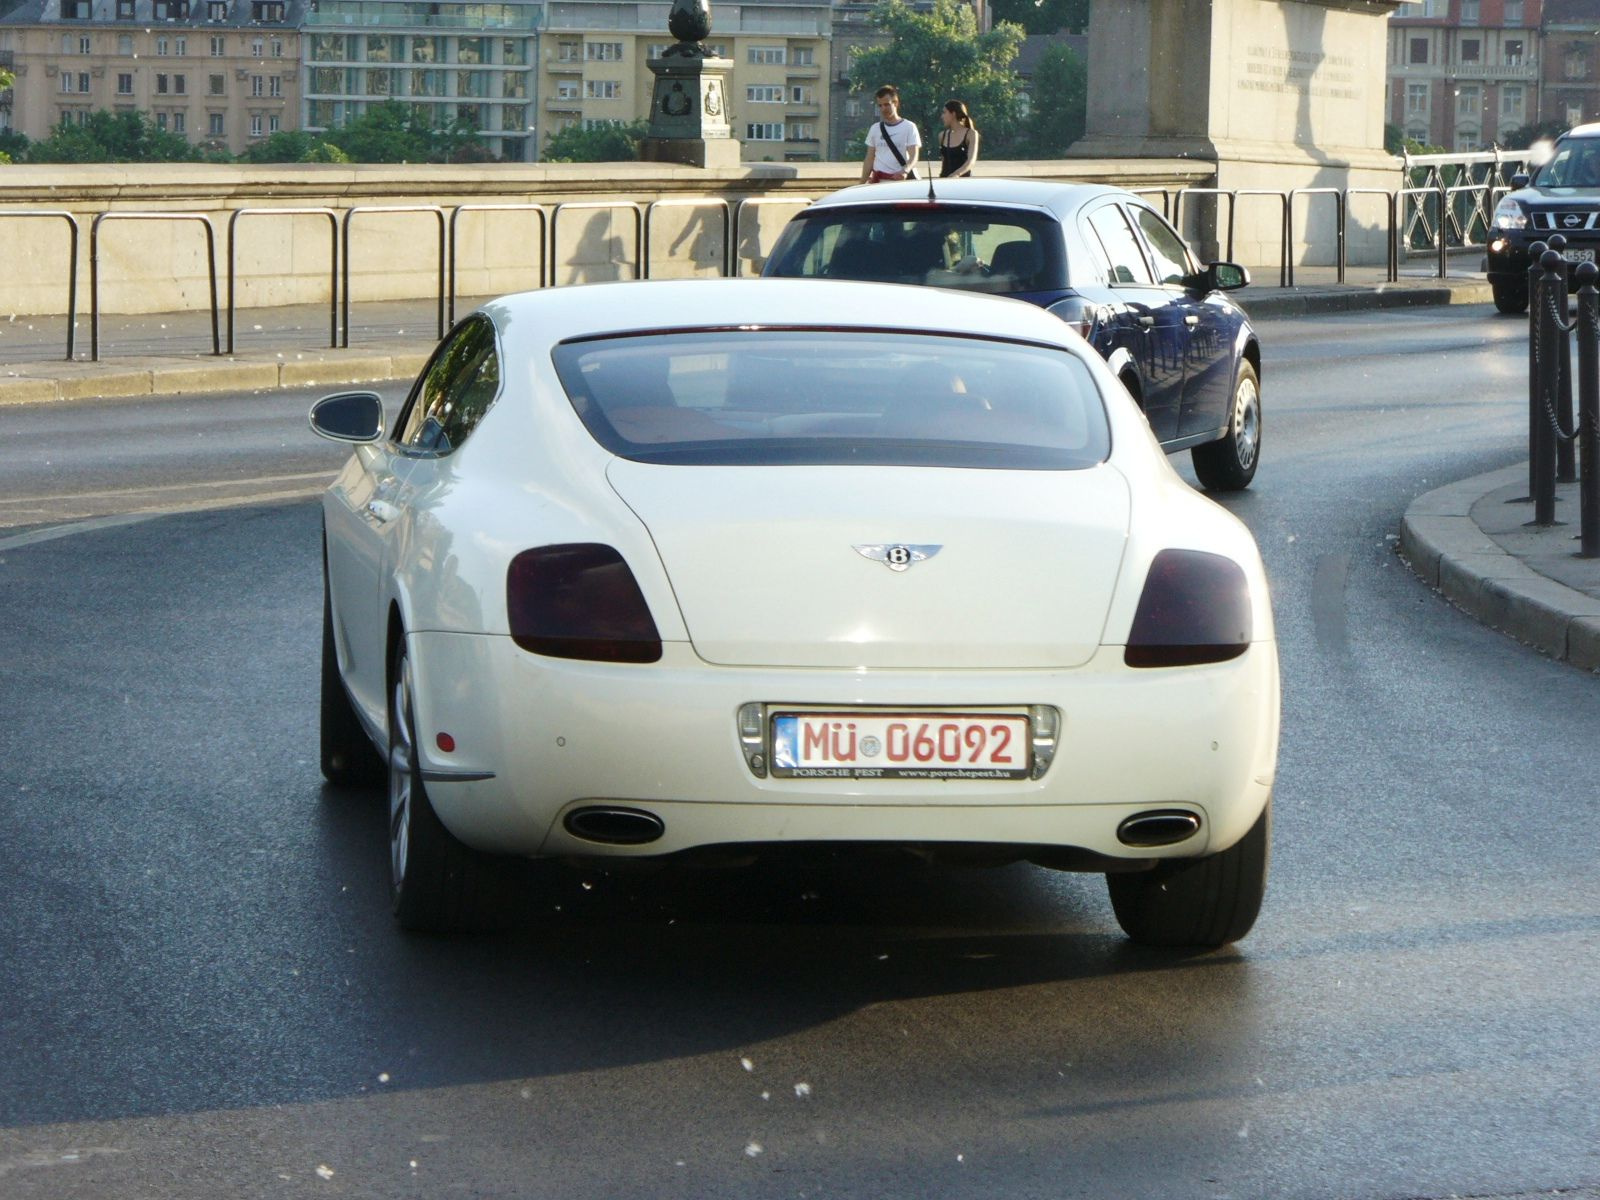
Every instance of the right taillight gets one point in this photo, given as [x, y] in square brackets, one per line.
[1195, 608]
[579, 600]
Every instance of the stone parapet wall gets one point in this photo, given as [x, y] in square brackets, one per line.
[617, 214]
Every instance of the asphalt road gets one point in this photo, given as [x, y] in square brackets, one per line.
[202, 994]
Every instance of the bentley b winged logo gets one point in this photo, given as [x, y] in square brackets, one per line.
[897, 556]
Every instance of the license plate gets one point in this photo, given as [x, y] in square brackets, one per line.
[1576, 256]
[900, 745]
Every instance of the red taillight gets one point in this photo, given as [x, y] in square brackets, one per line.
[579, 601]
[1195, 608]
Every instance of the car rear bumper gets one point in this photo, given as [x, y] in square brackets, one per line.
[536, 738]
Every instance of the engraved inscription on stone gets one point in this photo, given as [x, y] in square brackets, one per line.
[1299, 73]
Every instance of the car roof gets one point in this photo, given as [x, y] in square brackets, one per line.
[530, 320]
[1059, 198]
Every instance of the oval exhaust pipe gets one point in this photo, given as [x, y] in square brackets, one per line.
[1163, 828]
[612, 825]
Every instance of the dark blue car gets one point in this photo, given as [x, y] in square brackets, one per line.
[1098, 257]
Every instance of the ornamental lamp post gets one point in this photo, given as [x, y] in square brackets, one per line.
[689, 104]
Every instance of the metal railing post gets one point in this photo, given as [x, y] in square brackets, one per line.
[1589, 409]
[1566, 462]
[72, 268]
[544, 223]
[333, 266]
[1552, 330]
[443, 254]
[756, 202]
[1535, 309]
[691, 202]
[94, 271]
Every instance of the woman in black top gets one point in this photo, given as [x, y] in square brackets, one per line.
[958, 141]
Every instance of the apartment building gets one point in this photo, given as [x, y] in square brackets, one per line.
[222, 73]
[523, 72]
[1463, 72]
[1570, 78]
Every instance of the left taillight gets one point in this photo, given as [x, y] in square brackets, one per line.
[1195, 608]
[579, 600]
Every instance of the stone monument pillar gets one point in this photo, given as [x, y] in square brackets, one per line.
[689, 105]
[1280, 94]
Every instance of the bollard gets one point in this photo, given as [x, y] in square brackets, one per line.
[1589, 409]
[1566, 466]
[1552, 332]
[1535, 306]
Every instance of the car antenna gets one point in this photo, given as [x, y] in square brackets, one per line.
[932, 199]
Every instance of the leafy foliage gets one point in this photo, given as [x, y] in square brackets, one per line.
[940, 55]
[1526, 135]
[105, 137]
[1059, 104]
[617, 142]
[1044, 16]
[13, 145]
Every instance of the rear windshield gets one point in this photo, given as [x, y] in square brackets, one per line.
[829, 397]
[999, 251]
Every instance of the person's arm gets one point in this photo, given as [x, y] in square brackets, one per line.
[972, 153]
[913, 148]
[872, 153]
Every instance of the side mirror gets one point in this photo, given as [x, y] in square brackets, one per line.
[1221, 277]
[348, 417]
[1520, 180]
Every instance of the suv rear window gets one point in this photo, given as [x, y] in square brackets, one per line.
[787, 396]
[999, 251]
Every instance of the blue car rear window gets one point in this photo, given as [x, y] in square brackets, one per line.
[1001, 252]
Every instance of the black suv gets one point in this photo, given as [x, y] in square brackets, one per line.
[1562, 196]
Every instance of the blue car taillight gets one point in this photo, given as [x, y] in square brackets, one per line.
[579, 600]
[1195, 608]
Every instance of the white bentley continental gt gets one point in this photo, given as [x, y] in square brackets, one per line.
[696, 567]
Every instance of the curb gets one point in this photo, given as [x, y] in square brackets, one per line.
[1385, 295]
[1446, 548]
[140, 377]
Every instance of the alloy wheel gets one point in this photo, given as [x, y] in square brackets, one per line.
[400, 774]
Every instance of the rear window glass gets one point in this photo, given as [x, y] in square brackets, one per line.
[829, 397]
[996, 251]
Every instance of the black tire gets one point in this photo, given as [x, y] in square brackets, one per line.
[437, 884]
[1229, 464]
[1205, 902]
[1509, 298]
[349, 759]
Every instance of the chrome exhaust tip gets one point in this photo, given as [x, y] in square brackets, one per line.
[1165, 827]
[612, 825]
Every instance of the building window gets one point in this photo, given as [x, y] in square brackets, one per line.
[602, 51]
[277, 47]
[514, 52]
[257, 89]
[1471, 50]
[180, 47]
[567, 89]
[852, 107]
[161, 85]
[803, 132]
[1469, 12]
[84, 45]
[1467, 101]
[124, 10]
[1575, 62]
[1513, 12]
[802, 95]
[767, 56]
[214, 124]
[125, 83]
[67, 78]
[569, 51]
[161, 122]
[217, 44]
[513, 116]
[1513, 52]
[1417, 100]
[266, 10]
[275, 86]
[514, 86]
[163, 47]
[472, 51]
[178, 123]
[1419, 50]
[764, 95]
[384, 49]
[256, 45]
[215, 84]
[216, 10]
[255, 124]
[1511, 102]
[427, 50]
[124, 43]
[764, 131]
[1574, 114]
[802, 56]
[602, 89]
[76, 10]
[1467, 140]
[170, 10]
[326, 47]
[179, 85]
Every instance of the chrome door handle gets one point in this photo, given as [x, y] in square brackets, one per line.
[382, 510]
[1147, 322]
[1191, 321]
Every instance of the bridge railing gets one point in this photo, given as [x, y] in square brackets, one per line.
[1555, 429]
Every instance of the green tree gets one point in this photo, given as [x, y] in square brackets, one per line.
[13, 146]
[286, 146]
[112, 138]
[386, 133]
[940, 55]
[1044, 16]
[6, 79]
[617, 142]
[1526, 135]
[1058, 104]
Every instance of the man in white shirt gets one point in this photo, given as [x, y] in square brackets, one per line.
[893, 142]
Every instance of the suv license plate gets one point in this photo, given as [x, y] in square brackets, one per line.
[1577, 256]
[900, 745]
